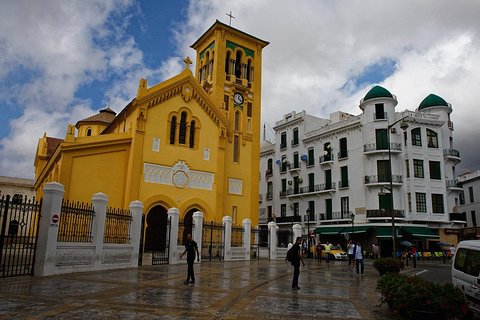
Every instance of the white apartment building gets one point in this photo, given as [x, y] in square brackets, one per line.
[333, 175]
[469, 203]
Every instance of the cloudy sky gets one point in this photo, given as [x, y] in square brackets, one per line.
[61, 61]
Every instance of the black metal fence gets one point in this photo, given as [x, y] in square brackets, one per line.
[213, 240]
[18, 235]
[117, 226]
[237, 236]
[160, 256]
[284, 237]
[75, 222]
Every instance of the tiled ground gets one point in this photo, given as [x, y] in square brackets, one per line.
[232, 290]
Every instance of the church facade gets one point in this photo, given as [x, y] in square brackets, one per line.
[191, 142]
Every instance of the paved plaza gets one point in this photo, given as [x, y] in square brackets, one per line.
[223, 290]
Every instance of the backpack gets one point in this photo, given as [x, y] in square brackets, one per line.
[291, 254]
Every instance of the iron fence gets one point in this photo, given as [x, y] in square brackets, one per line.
[117, 226]
[237, 236]
[76, 221]
[161, 254]
[18, 235]
[213, 240]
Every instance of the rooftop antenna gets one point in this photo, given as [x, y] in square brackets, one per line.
[230, 15]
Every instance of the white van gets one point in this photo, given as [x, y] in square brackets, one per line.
[466, 272]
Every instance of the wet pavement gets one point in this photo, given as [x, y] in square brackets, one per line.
[223, 290]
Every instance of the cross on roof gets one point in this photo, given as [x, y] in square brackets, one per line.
[187, 62]
[230, 15]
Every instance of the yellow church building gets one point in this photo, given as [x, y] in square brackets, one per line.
[190, 142]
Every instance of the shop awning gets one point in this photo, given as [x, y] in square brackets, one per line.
[386, 232]
[358, 229]
[329, 229]
[421, 232]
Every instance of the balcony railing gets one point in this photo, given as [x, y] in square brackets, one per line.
[283, 194]
[385, 213]
[343, 184]
[336, 216]
[326, 158]
[311, 189]
[462, 216]
[283, 146]
[370, 147]
[269, 195]
[451, 153]
[268, 173]
[289, 219]
[383, 179]
[343, 154]
[294, 143]
[295, 167]
[260, 198]
[453, 184]
[309, 217]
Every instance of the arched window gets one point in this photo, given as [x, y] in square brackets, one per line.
[416, 137]
[192, 133]
[238, 65]
[227, 63]
[183, 128]
[432, 139]
[237, 120]
[173, 128]
[89, 132]
[249, 65]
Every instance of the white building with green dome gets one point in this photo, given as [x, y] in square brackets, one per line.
[333, 176]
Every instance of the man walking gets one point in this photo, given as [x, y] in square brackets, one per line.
[358, 254]
[328, 247]
[296, 258]
[190, 248]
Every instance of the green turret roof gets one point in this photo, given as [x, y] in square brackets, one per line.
[432, 100]
[377, 92]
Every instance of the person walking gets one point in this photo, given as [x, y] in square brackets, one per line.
[375, 251]
[319, 252]
[296, 259]
[452, 252]
[328, 247]
[351, 258]
[413, 253]
[190, 248]
[358, 254]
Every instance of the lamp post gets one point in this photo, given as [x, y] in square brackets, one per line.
[403, 126]
[308, 231]
[352, 216]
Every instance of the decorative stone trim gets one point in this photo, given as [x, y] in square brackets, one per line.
[179, 176]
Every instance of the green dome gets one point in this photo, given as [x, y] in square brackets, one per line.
[377, 92]
[432, 100]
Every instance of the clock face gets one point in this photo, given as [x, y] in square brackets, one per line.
[238, 98]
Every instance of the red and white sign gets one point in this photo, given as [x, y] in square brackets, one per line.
[55, 218]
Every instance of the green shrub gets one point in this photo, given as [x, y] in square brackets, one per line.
[386, 265]
[408, 295]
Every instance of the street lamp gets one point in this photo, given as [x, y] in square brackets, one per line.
[403, 126]
[308, 231]
[352, 216]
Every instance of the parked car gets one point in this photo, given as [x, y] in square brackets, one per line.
[335, 254]
[466, 272]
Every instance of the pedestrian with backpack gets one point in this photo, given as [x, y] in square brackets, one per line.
[294, 256]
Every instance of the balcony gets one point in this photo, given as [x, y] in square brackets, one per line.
[371, 148]
[382, 213]
[268, 173]
[342, 184]
[452, 155]
[454, 185]
[309, 217]
[383, 179]
[283, 194]
[294, 143]
[283, 146]
[462, 216]
[269, 195]
[260, 198]
[313, 189]
[295, 167]
[450, 125]
[288, 219]
[336, 216]
[326, 159]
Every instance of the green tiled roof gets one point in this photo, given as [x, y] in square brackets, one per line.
[432, 100]
[377, 92]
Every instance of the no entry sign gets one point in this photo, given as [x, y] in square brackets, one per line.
[55, 218]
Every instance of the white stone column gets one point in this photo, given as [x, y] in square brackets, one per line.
[48, 229]
[136, 210]
[272, 239]
[247, 236]
[297, 231]
[227, 223]
[99, 202]
[198, 230]
[173, 256]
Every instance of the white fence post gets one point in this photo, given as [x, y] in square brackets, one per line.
[136, 210]
[247, 231]
[272, 239]
[99, 201]
[48, 228]
[227, 223]
[173, 214]
[198, 230]
[297, 231]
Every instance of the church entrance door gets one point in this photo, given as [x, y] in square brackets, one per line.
[157, 234]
